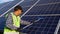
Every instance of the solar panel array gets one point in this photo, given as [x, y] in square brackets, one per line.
[49, 10]
[45, 12]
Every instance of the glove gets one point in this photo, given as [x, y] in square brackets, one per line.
[18, 29]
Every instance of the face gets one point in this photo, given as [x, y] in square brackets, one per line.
[18, 12]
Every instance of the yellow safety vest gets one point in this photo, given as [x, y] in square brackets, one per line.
[16, 22]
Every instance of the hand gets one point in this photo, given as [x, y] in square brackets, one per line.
[18, 29]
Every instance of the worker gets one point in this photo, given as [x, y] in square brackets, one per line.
[13, 21]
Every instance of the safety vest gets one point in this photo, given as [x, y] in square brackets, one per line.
[16, 22]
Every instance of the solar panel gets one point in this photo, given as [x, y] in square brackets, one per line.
[7, 5]
[45, 13]
[45, 9]
[46, 25]
[49, 10]
[27, 4]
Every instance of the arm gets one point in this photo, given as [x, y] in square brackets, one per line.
[9, 23]
[25, 22]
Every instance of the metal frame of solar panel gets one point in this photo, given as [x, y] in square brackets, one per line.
[58, 31]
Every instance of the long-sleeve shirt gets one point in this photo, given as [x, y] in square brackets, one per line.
[9, 22]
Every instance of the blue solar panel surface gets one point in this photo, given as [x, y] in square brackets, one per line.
[47, 24]
[45, 9]
[8, 5]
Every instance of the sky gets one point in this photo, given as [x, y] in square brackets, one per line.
[3, 1]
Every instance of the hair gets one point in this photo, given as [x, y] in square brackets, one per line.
[18, 8]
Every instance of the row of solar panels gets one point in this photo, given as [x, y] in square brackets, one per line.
[47, 25]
